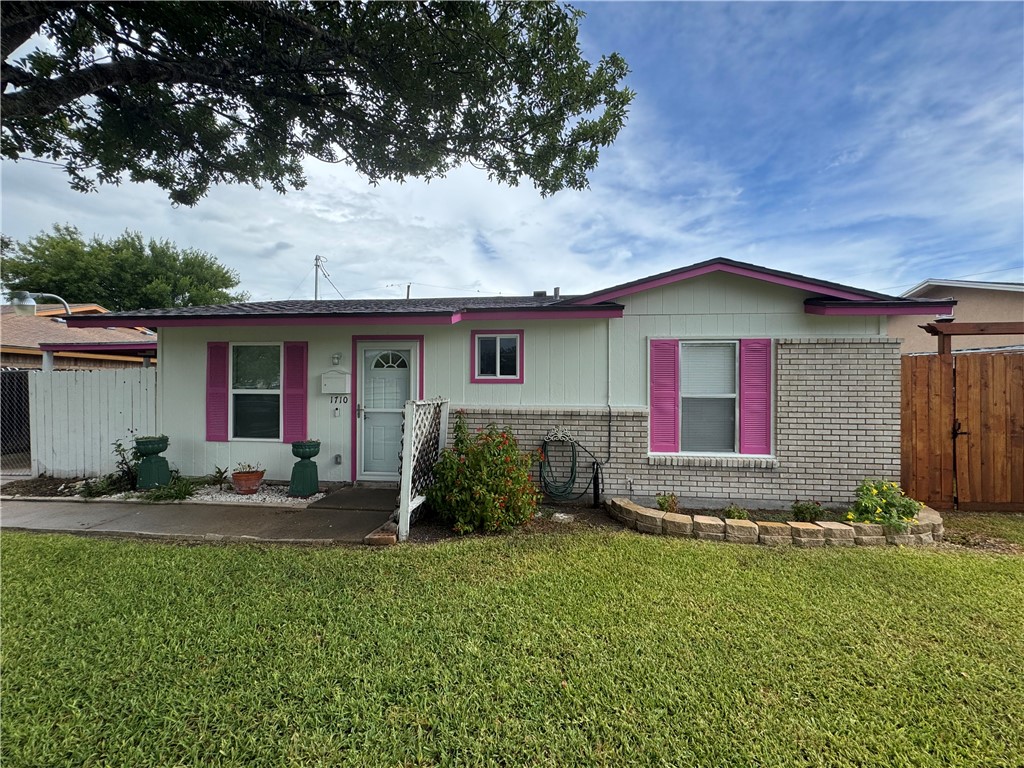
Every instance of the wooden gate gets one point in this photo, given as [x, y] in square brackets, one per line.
[963, 430]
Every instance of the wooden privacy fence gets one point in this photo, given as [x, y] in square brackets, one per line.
[77, 415]
[963, 430]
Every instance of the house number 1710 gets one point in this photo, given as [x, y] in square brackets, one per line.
[339, 399]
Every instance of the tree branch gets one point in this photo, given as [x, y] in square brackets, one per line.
[48, 96]
[22, 20]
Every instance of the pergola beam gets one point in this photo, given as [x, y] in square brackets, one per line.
[945, 331]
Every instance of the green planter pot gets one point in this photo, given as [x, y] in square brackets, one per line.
[153, 469]
[305, 479]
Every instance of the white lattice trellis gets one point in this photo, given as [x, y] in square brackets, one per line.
[424, 431]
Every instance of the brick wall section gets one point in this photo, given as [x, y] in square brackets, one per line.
[837, 421]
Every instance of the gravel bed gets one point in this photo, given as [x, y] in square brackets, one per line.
[267, 494]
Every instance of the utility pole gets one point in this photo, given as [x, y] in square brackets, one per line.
[317, 266]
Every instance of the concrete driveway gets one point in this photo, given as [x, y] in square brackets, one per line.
[245, 522]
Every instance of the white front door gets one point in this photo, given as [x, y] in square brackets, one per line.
[387, 376]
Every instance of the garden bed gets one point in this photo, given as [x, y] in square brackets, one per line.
[926, 529]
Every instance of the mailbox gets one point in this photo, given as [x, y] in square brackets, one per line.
[335, 383]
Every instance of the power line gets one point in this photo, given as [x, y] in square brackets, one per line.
[957, 277]
[304, 279]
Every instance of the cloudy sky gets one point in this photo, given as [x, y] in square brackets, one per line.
[874, 144]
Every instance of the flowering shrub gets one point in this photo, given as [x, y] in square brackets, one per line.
[884, 503]
[483, 483]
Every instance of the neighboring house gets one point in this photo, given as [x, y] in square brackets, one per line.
[976, 302]
[717, 380]
[26, 339]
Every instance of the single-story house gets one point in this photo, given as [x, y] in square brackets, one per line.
[718, 380]
[976, 302]
[26, 341]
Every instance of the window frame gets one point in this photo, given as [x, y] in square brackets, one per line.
[735, 344]
[475, 377]
[279, 391]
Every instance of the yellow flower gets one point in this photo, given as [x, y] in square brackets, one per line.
[878, 510]
[874, 491]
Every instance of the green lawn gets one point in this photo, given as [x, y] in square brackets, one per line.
[992, 525]
[579, 649]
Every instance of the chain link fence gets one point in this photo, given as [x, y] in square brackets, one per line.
[15, 429]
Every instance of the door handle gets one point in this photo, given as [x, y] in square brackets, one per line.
[359, 410]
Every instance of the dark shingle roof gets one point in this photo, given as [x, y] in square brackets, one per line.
[303, 308]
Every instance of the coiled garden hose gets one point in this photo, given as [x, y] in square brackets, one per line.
[562, 488]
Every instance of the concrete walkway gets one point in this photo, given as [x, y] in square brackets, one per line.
[244, 522]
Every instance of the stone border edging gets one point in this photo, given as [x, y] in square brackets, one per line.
[927, 530]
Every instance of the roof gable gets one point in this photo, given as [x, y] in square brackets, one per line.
[978, 284]
[823, 288]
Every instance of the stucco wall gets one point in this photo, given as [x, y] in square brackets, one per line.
[836, 417]
[974, 305]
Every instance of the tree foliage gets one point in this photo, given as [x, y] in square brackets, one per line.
[192, 94]
[124, 273]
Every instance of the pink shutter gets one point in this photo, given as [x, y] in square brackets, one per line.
[664, 400]
[293, 404]
[755, 396]
[217, 391]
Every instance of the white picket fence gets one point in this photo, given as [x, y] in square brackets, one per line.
[77, 415]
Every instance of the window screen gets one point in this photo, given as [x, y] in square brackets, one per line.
[708, 397]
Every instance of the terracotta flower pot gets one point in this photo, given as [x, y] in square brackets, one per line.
[246, 483]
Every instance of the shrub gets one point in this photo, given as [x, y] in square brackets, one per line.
[667, 502]
[733, 512]
[122, 480]
[483, 483]
[884, 503]
[178, 489]
[219, 476]
[807, 511]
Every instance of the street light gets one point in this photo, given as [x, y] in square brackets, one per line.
[24, 302]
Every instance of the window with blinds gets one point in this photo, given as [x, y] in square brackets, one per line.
[708, 396]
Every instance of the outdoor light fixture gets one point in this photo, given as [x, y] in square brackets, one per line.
[24, 302]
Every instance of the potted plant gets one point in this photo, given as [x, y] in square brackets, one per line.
[246, 478]
[305, 449]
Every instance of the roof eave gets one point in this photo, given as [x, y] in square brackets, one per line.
[549, 312]
[876, 307]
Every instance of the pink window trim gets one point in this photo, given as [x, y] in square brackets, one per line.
[294, 396]
[474, 379]
[664, 395]
[755, 396]
[217, 393]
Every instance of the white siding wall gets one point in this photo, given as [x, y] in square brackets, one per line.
[566, 363]
[717, 305]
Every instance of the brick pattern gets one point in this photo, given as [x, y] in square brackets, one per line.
[837, 422]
